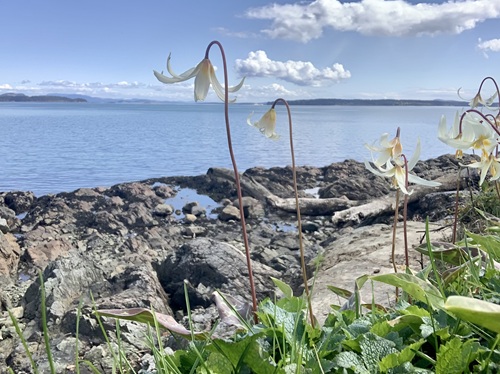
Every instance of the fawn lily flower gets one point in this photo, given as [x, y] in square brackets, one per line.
[488, 163]
[267, 124]
[204, 76]
[472, 131]
[398, 172]
[388, 149]
[476, 100]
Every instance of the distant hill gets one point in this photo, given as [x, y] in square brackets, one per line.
[377, 102]
[16, 97]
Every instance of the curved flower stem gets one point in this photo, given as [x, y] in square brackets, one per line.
[494, 83]
[236, 179]
[394, 229]
[483, 116]
[299, 220]
[405, 214]
[455, 218]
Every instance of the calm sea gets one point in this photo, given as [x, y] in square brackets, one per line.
[49, 148]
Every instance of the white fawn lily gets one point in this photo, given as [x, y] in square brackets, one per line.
[204, 76]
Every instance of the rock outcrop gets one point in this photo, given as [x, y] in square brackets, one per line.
[127, 246]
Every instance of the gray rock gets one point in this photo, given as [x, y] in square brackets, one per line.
[229, 213]
[198, 211]
[194, 231]
[252, 208]
[214, 264]
[4, 227]
[310, 226]
[188, 208]
[164, 191]
[163, 210]
[190, 218]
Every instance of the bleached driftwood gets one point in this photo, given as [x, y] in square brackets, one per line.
[344, 211]
[308, 206]
[386, 204]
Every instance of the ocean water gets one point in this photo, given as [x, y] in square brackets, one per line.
[55, 147]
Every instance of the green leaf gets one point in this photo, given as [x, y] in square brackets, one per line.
[352, 361]
[219, 364]
[373, 349]
[283, 287]
[417, 288]
[489, 243]
[480, 312]
[340, 291]
[454, 357]
[395, 359]
[444, 251]
[292, 323]
[245, 353]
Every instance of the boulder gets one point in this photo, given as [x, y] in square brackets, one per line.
[208, 265]
[9, 255]
[229, 213]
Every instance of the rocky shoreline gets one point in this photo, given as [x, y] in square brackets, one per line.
[134, 244]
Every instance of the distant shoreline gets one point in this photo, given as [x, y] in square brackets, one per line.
[57, 98]
[22, 98]
[377, 102]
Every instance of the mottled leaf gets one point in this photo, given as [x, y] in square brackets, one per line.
[454, 357]
[146, 316]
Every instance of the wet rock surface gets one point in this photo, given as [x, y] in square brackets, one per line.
[134, 245]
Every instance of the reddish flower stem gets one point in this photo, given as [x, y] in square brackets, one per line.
[236, 179]
[299, 220]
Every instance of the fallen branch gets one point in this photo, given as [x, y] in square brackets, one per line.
[385, 205]
[308, 206]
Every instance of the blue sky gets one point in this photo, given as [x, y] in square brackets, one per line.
[295, 50]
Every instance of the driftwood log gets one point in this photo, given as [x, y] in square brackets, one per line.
[308, 206]
[344, 211]
[386, 204]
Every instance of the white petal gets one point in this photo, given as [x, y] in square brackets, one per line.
[375, 171]
[417, 180]
[217, 86]
[416, 155]
[442, 128]
[400, 177]
[248, 120]
[164, 79]
[201, 86]
[183, 75]
[237, 87]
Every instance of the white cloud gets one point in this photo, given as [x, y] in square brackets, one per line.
[492, 45]
[299, 72]
[5, 86]
[304, 22]
[236, 34]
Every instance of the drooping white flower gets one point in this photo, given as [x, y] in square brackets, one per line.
[204, 76]
[387, 149]
[476, 100]
[267, 124]
[399, 172]
[488, 163]
[462, 136]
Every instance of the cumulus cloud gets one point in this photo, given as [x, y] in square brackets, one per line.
[492, 45]
[5, 86]
[90, 86]
[257, 64]
[304, 22]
